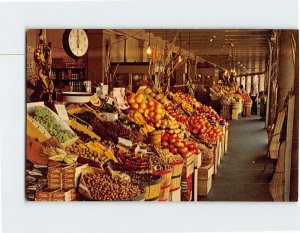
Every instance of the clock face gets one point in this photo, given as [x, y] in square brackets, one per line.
[78, 42]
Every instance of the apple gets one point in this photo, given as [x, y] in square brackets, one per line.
[171, 147]
[201, 136]
[183, 150]
[174, 150]
[165, 143]
[179, 144]
[172, 140]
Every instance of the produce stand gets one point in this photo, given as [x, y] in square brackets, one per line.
[159, 146]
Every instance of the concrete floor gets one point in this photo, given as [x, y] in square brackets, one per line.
[240, 175]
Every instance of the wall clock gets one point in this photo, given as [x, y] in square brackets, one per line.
[75, 42]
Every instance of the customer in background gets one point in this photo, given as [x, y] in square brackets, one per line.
[242, 89]
[254, 95]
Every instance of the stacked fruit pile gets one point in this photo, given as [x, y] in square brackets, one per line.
[151, 110]
[178, 146]
[210, 114]
[202, 129]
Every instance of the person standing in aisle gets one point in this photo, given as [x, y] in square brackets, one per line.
[242, 89]
[254, 95]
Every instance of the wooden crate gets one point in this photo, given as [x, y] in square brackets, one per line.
[235, 114]
[195, 185]
[226, 112]
[175, 195]
[197, 160]
[205, 172]
[226, 139]
[216, 156]
[204, 186]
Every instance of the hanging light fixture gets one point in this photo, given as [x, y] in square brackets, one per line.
[149, 51]
[179, 57]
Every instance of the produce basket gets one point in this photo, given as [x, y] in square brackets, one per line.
[83, 190]
[152, 188]
[155, 137]
[36, 130]
[176, 175]
[165, 184]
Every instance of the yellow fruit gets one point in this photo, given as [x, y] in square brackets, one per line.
[157, 117]
[134, 106]
[158, 97]
[146, 112]
[130, 100]
[148, 90]
[158, 110]
[141, 111]
[151, 114]
[143, 105]
[150, 103]
[139, 98]
[152, 94]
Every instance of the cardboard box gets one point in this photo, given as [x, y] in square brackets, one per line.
[205, 172]
[175, 195]
[56, 195]
[64, 177]
[204, 186]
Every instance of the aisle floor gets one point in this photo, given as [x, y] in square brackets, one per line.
[241, 175]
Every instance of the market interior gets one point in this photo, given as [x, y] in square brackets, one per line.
[162, 115]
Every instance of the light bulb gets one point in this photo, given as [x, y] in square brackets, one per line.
[149, 51]
[179, 59]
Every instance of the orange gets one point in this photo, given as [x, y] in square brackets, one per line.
[157, 117]
[151, 114]
[141, 111]
[134, 106]
[130, 100]
[158, 110]
[139, 98]
[143, 105]
[158, 105]
[150, 103]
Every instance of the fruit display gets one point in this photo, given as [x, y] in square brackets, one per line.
[151, 110]
[178, 146]
[86, 155]
[169, 157]
[139, 178]
[177, 113]
[132, 162]
[86, 116]
[246, 97]
[202, 129]
[156, 95]
[45, 117]
[104, 187]
[58, 154]
[211, 114]
[112, 130]
[158, 163]
[83, 136]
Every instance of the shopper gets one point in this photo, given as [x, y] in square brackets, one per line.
[253, 95]
[242, 89]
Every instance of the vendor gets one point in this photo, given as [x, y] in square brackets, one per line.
[253, 95]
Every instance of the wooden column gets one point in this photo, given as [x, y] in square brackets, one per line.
[295, 145]
[286, 81]
[286, 73]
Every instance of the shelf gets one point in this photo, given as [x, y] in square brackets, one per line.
[73, 68]
[69, 80]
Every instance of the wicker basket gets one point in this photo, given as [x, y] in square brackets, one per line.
[152, 189]
[176, 175]
[155, 137]
[165, 184]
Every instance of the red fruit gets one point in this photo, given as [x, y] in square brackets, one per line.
[183, 150]
[172, 140]
[171, 146]
[165, 137]
[165, 143]
[179, 144]
[177, 139]
[201, 136]
[174, 150]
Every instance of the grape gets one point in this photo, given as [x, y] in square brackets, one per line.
[48, 121]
